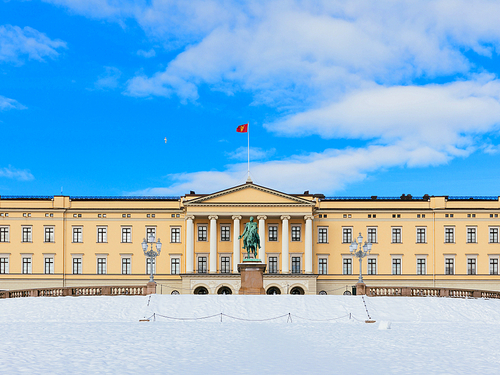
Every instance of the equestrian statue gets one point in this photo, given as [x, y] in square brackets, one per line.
[251, 239]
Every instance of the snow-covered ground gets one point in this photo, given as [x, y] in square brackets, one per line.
[304, 334]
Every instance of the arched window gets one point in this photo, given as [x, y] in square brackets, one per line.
[297, 290]
[224, 290]
[175, 292]
[201, 290]
[273, 290]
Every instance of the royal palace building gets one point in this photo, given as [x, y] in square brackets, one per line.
[429, 241]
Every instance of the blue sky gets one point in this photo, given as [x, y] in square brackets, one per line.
[343, 98]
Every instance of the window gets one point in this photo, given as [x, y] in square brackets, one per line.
[148, 266]
[4, 265]
[346, 235]
[421, 235]
[372, 235]
[471, 235]
[26, 234]
[26, 265]
[295, 264]
[49, 265]
[77, 234]
[396, 235]
[225, 264]
[202, 233]
[448, 266]
[322, 235]
[295, 233]
[126, 266]
[273, 264]
[175, 266]
[347, 266]
[449, 235]
[273, 233]
[372, 266]
[4, 234]
[493, 266]
[49, 234]
[493, 235]
[471, 266]
[77, 266]
[150, 231]
[126, 234]
[421, 266]
[225, 233]
[202, 263]
[323, 266]
[102, 234]
[396, 266]
[101, 266]
[175, 235]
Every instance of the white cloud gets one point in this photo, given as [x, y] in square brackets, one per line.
[16, 174]
[15, 43]
[109, 79]
[256, 153]
[146, 54]
[6, 103]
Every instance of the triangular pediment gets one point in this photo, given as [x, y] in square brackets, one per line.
[249, 194]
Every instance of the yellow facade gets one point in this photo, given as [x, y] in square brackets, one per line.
[84, 241]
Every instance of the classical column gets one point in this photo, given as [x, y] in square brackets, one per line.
[262, 235]
[284, 245]
[308, 245]
[189, 243]
[213, 243]
[236, 242]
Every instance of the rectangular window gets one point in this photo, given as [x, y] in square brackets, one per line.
[448, 266]
[449, 235]
[346, 235]
[347, 266]
[175, 266]
[471, 235]
[421, 235]
[323, 266]
[322, 235]
[372, 235]
[273, 233]
[471, 266]
[396, 266]
[102, 234]
[150, 234]
[273, 264]
[148, 266]
[77, 235]
[202, 233]
[493, 235]
[295, 264]
[295, 233]
[26, 234]
[4, 265]
[202, 264]
[421, 266]
[77, 266]
[49, 234]
[126, 236]
[126, 266]
[27, 265]
[225, 233]
[396, 235]
[49, 265]
[493, 266]
[4, 234]
[372, 266]
[101, 266]
[225, 264]
[175, 235]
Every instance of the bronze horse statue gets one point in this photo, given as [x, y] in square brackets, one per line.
[251, 239]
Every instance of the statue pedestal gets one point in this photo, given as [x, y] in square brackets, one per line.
[252, 278]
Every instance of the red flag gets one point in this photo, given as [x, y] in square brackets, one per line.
[242, 128]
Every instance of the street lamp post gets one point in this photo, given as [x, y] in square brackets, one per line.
[360, 251]
[151, 254]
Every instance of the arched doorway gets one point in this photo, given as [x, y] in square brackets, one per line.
[273, 291]
[175, 292]
[201, 290]
[297, 290]
[224, 290]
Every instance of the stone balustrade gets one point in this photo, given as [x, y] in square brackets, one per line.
[76, 291]
[377, 291]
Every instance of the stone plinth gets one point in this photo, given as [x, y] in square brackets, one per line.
[252, 279]
[151, 288]
[360, 289]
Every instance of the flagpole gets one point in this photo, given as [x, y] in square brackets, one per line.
[248, 149]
